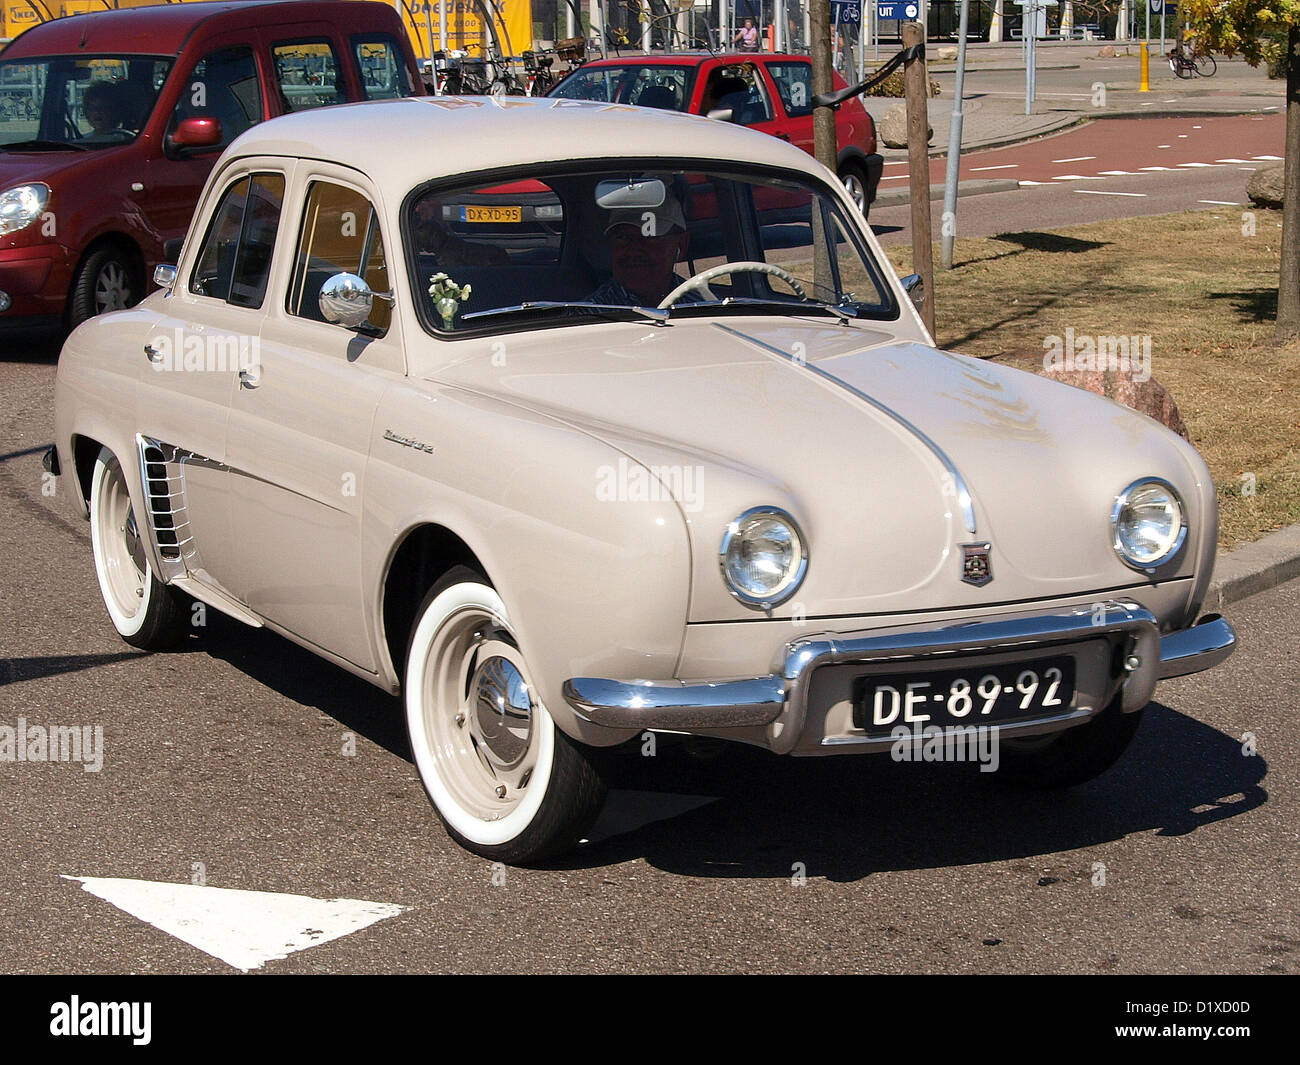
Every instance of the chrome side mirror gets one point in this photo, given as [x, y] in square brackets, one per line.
[346, 300]
[914, 286]
[164, 275]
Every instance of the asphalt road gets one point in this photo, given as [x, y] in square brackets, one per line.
[1111, 168]
[227, 760]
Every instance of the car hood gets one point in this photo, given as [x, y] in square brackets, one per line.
[17, 168]
[868, 446]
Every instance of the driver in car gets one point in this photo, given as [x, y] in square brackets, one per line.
[102, 107]
[645, 244]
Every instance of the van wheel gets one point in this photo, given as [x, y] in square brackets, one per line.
[507, 784]
[146, 613]
[105, 281]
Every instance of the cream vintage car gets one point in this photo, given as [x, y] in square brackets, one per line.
[566, 421]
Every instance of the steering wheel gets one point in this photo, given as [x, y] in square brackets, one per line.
[702, 279]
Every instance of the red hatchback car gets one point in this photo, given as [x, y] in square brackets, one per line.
[770, 92]
[111, 121]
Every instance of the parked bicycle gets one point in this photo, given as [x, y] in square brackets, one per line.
[1186, 65]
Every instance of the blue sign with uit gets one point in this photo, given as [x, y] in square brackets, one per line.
[906, 10]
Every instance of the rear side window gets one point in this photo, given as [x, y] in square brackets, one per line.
[235, 261]
[794, 83]
[223, 85]
[340, 234]
[308, 74]
[383, 69]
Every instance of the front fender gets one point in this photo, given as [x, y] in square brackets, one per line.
[596, 585]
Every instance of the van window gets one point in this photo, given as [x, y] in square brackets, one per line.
[223, 85]
[235, 261]
[308, 74]
[340, 234]
[383, 69]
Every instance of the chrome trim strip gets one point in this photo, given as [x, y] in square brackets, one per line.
[780, 700]
[1204, 645]
[959, 482]
[1005, 730]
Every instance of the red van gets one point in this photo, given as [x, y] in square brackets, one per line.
[111, 121]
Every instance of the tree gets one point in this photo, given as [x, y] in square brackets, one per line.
[1265, 31]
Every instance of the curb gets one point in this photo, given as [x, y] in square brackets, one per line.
[1255, 568]
[898, 197]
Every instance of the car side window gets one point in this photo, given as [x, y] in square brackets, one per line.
[383, 70]
[794, 83]
[223, 85]
[340, 234]
[308, 74]
[740, 89]
[234, 263]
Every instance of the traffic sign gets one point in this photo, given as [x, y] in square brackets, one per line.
[1157, 5]
[846, 12]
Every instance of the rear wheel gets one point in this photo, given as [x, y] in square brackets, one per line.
[507, 784]
[1072, 757]
[1206, 66]
[146, 613]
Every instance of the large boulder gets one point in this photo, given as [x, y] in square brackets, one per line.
[946, 52]
[1265, 186]
[892, 127]
[1147, 397]
[1106, 51]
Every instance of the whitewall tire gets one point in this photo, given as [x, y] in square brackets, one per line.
[507, 784]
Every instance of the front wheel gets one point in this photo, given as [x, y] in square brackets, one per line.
[146, 613]
[105, 281]
[1206, 66]
[507, 784]
[1075, 756]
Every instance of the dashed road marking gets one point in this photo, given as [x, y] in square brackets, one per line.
[1004, 166]
[1220, 203]
[1098, 192]
[1076, 159]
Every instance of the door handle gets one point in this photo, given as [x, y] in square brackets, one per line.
[250, 378]
[153, 353]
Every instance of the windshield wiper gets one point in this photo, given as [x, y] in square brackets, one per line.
[654, 314]
[44, 146]
[787, 306]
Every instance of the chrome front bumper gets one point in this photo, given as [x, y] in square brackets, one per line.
[780, 700]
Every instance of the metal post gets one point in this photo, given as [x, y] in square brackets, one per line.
[949, 221]
[442, 26]
[916, 90]
[1030, 35]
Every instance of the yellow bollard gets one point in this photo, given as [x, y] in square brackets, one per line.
[1145, 83]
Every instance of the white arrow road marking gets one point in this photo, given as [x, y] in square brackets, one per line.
[245, 929]
[626, 811]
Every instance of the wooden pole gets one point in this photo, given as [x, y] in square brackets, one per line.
[916, 91]
[824, 147]
[1288, 293]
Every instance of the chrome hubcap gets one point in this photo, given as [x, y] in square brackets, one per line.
[502, 721]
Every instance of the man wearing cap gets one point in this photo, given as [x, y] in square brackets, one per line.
[644, 246]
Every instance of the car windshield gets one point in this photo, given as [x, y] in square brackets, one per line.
[643, 84]
[65, 103]
[564, 246]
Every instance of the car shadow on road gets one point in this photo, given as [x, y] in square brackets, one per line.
[751, 814]
[845, 818]
[31, 345]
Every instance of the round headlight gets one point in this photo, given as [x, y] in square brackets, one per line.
[763, 557]
[22, 205]
[1148, 523]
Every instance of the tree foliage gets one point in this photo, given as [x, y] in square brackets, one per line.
[1254, 29]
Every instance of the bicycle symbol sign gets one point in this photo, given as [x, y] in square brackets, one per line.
[1157, 5]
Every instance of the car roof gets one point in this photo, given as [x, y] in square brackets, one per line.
[442, 136]
[689, 59]
[162, 29]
